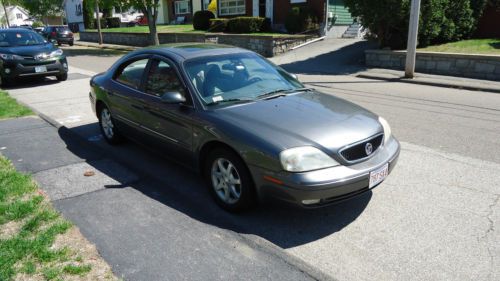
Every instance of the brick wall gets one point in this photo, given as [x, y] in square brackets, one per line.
[463, 65]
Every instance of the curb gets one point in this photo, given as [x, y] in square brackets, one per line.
[105, 46]
[429, 83]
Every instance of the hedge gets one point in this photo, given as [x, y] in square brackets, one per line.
[201, 20]
[113, 22]
[240, 25]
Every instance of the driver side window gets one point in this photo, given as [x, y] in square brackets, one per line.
[162, 78]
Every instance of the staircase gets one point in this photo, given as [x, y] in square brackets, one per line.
[355, 30]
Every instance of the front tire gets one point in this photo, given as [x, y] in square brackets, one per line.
[62, 77]
[229, 180]
[108, 128]
[71, 43]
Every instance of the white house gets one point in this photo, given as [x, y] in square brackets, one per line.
[74, 14]
[17, 16]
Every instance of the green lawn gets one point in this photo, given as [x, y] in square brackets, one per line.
[9, 108]
[28, 228]
[184, 28]
[474, 46]
[161, 28]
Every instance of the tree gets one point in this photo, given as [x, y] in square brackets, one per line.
[440, 20]
[43, 8]
[150, 10]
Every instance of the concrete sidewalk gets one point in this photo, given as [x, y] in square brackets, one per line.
[144, 228]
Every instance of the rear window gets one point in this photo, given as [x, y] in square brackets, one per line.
[62, 29]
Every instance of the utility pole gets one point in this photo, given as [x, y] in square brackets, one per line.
[411, 51]
[6, 15]
[98, 19]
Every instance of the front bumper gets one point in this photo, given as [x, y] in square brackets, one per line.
[15, 69]
[329, 185]
[65, 39]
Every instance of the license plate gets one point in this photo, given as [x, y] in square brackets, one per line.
[378, 175]
[40, 69]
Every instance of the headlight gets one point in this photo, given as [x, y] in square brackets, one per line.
[10, 57]
[305, 158]
[56, 53]
[387, 129]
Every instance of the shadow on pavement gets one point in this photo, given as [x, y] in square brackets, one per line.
[183, 190]
[78, 51]
[346, 60]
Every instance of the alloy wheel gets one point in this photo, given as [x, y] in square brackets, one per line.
[226, 181]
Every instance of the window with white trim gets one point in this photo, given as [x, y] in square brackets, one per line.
[182, 7]
[19, 16]
[232, 7]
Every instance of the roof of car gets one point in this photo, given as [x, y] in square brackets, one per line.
[193, 50]
[16, 29]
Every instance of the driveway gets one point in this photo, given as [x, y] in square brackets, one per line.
[433, 219]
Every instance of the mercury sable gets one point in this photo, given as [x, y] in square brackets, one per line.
[251, 129]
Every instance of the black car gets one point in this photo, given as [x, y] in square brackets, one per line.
[24, 53]
[59, 34]
[249, 127]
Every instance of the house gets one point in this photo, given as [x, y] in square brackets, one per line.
[336, 19]
[74, 14]
[17, 16]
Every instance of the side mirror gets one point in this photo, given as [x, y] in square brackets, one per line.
[294, 76]
[173, 98]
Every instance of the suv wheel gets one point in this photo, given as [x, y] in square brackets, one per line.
[62, 77]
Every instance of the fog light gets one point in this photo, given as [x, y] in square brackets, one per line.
[7, 70]
[311, 201]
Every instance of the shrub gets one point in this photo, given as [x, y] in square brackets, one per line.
[218, 25]
[245, 24]
[201, 20]
[37, 24]
[113, 22]
[440, 20]
[103, 23]
[300, 19]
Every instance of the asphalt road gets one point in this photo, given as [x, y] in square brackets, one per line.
[434, 218]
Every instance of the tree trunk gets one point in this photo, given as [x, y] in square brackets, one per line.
[6, 14]
[153, 33]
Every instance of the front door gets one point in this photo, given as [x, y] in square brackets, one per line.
[169, 123]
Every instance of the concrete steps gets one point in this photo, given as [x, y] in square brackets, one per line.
[355, 30]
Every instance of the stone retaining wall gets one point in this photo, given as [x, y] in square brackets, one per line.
[265, 45]
[463, 65]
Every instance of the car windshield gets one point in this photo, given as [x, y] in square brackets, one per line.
[61, 29]
[238, 77]
[20, 38]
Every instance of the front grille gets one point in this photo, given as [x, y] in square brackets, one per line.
[358, 151]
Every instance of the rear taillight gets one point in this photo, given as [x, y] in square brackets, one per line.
[53, 33]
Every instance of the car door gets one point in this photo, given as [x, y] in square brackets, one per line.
[170, 123]
[125, 96]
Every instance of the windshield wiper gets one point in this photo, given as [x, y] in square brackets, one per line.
[229, 100]
[280, 93]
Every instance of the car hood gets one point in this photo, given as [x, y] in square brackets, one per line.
[310, 118]
[28, 50]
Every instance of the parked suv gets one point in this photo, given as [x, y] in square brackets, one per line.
[25, 53]
[60, 34]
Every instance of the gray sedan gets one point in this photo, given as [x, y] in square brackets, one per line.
[251, 129]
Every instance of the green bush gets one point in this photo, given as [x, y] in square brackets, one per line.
[441, 21]
[218, 25]
[245, 24]
[300, 19]
[37, 24]
[103, 23]
[201, 20]
[113, 22]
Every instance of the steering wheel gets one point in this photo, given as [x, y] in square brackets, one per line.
[254, 79]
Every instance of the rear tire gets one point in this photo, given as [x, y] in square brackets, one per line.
[71, 43]
[107, 126]
[62, 77]
[59, 43]
[229, 180]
